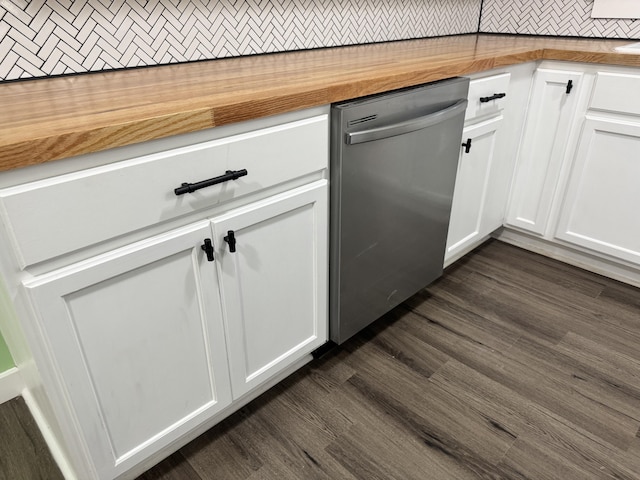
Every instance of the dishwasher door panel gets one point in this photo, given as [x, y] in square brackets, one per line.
[391, 202]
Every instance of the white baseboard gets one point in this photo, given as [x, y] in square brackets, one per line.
[609, 268]
[11, 384]
[461, 253]
[50, 439]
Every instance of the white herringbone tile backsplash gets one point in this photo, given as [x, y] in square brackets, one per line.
[553, 17]
[51, 37]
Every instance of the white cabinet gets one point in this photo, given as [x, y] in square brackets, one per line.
[493, 124]
[615, 92]
[138, 340]
[138, 334]
[138, 193]
[549, 119]
[600, 208]
[575, 183]
[575, 194]
[274, 282]
[489, 95]
[471, 209]
[472, 214]
[142, 334]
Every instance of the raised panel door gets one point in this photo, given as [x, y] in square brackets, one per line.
[470, 220]
[549, 118]
[138, 340]
[600, 207]
[274, 285]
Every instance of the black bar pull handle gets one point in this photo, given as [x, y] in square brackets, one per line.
[467, 145]
[207, 247]
[495, 96]
[192, 187]
[569, 86]
[231, 240]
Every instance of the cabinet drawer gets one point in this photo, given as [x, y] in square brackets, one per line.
[58, 215]
[616, 92]
[485, 88]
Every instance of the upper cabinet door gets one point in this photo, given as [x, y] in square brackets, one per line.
[273, 270]
[137, 337]
[600, 208]
[550, 116]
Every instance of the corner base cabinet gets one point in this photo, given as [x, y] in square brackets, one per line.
[574, 196]
[144, 338]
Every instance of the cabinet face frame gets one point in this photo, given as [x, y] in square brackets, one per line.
[55, 296]
[285, 229]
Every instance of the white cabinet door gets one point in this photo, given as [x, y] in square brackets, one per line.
[138, 339]
[473, 213]
[549, 118]
[600, 208]
[274, 286]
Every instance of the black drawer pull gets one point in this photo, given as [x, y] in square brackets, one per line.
[495, 96]
[467, 145]
[192, 187]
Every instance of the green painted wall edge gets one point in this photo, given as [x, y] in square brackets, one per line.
[6, 362]
[6, 317]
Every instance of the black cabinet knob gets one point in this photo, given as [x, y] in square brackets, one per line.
[231, 240]
[207, 247]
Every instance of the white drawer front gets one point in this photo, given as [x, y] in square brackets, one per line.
[55, 216]
[485, 88]
[616, 92]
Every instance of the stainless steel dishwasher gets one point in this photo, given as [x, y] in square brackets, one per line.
[393, 166]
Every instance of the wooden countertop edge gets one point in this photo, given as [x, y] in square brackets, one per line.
[64, 145]
[105, 133]
[573, 55]
[68, 144]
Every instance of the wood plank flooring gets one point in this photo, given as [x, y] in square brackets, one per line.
[23, 453]
[511, 366]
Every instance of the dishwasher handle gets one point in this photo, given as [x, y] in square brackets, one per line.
[407, 126]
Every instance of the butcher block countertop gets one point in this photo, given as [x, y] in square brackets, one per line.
[48, 119]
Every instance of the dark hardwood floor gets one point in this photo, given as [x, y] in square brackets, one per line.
[23, 453]
[511, 366]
